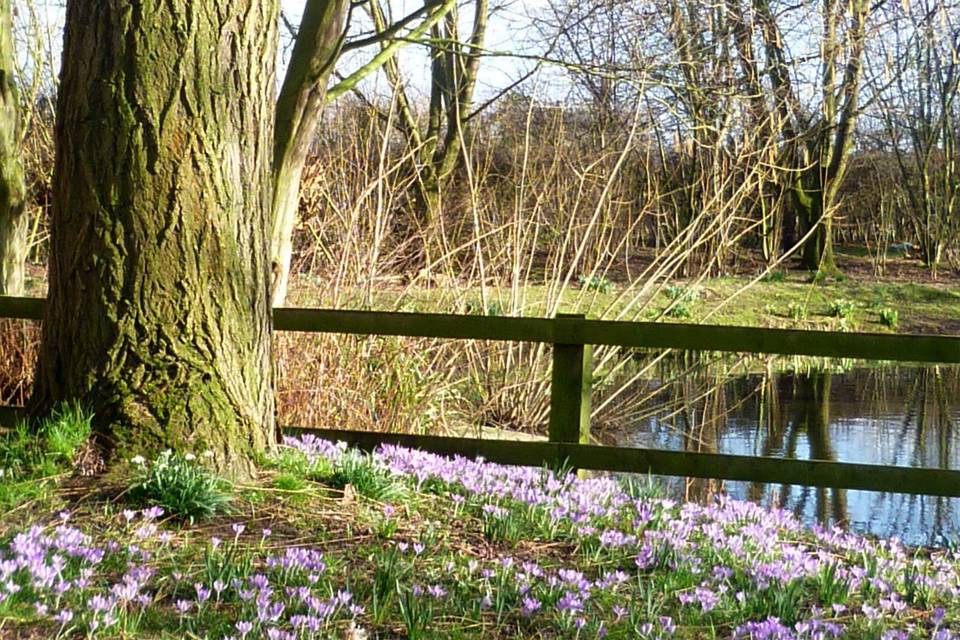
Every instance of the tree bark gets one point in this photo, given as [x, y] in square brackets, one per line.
[158, 315]
[13, 221]
[299, 108]
[816, 254]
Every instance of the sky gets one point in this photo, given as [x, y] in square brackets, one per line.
[509, 31]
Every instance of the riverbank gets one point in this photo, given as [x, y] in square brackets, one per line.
[331, 543]
[782, 299]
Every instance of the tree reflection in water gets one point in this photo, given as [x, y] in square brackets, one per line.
[884, 415]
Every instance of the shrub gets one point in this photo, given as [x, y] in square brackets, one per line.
[180, 485]
[683, 300]
[842, 309]
[797, 311]
[889, 318]
[596, 283]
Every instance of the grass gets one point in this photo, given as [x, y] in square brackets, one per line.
[455, 549]
[32, 457]
[787, 300]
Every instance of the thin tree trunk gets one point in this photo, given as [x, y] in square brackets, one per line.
[158, 315]
[439, 147]
[13, 220]
[299, 108]
[319, 44]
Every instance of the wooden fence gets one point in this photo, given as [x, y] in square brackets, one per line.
[572, 337]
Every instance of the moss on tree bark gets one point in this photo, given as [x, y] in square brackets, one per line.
[13, 221]
[817, 251]
[158, 314]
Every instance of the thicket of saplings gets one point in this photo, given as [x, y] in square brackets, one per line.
[545, 212]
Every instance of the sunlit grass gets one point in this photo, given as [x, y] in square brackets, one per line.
[789, 301]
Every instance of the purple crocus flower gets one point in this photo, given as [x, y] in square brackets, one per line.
[529, 606]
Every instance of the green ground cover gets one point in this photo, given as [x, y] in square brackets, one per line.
[784, 301]
[331, 543]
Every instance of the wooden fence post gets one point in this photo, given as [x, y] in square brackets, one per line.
[570, 384]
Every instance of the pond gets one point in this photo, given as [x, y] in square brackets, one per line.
[903, 416]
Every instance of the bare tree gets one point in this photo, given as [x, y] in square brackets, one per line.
[597, 44]
[818, 141]
[916, 82]
[438, 139]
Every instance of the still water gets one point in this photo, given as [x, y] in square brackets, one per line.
[899, 416]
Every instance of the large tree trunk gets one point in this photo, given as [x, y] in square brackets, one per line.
[158, 315]
[13, 221]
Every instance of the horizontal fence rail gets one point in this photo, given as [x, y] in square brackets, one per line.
[577, 330]
[572, 338]
[649, 335]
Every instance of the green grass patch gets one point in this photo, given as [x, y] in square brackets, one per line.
[783, 299]
[33, 453]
